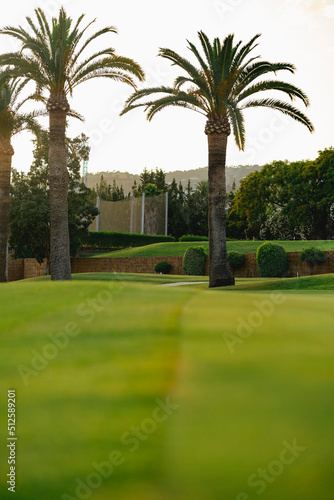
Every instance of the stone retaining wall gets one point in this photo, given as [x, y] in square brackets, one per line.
[29, 268]
[124, 265]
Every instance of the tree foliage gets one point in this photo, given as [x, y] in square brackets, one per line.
[109, 192]
[54, 54]
[287, 200]
[30, 209]
[222, 84]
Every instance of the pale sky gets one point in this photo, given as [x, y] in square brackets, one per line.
[296, 31]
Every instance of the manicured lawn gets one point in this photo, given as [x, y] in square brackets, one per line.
[249, 372]
[178, 248]
[133, 277]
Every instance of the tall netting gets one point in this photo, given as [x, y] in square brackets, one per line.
[126, 216]
[136, 226]
[115, 216]
[155, 214]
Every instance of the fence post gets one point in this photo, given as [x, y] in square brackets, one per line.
[143, 213]
[131, 216]
[98, 217]
[166, 218]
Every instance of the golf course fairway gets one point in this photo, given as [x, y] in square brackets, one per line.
[131, 390]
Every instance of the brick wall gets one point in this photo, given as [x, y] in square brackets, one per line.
[15, 269]
[29, 268]
[20, 269]
[124, 265]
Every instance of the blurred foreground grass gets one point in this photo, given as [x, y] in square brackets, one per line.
[246, 372]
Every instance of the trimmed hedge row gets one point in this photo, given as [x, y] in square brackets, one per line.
[112, 240]
[192, 237]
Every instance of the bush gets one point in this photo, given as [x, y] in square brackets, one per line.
[194, 261]
[112, 240]
[163, 267]
[313, 256]
[236, 259]
[272, 260]
[193, 237]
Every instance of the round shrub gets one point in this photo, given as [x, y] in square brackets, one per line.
[272, 260]
[312, 255]
[194, 261]
[163, 267]
[236, 259]
[192, 237]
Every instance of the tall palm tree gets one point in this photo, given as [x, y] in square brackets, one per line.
[220, 88]
[12, 121]
[51, 56]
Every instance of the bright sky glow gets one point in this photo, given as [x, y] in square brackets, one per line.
[296, 31]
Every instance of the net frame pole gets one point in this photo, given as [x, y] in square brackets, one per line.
[143, 214]
[166, 217]
[98, 217]
[131, 216]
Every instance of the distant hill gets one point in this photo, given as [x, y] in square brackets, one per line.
[195, 176]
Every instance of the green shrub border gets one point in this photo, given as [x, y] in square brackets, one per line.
[163, 267]
[193, 237]
[113, 240]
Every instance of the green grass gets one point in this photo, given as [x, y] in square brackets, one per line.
[240, 396]
[132, 277]
[171, 249]
[323, 282]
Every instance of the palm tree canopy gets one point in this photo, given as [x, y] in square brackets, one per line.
[223, 84]
[12, 120]
[51, 55]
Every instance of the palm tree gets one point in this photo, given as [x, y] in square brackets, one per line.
[220, 88]
[51, 56]
[12, 121]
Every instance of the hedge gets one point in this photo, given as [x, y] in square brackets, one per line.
[312, 255]
[113, 240]
[236, 259]
[163, 267]
[193, 237]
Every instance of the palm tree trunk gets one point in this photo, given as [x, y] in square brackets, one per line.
[58, 179]
[6, 153]
[220, 272]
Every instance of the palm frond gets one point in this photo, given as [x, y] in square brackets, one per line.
[287, 88]
[74, 114]
[282, 106]
[238, 124]
[198, 77]
[181, 99]
[139, 94]
[244, 51]
[103, 31]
